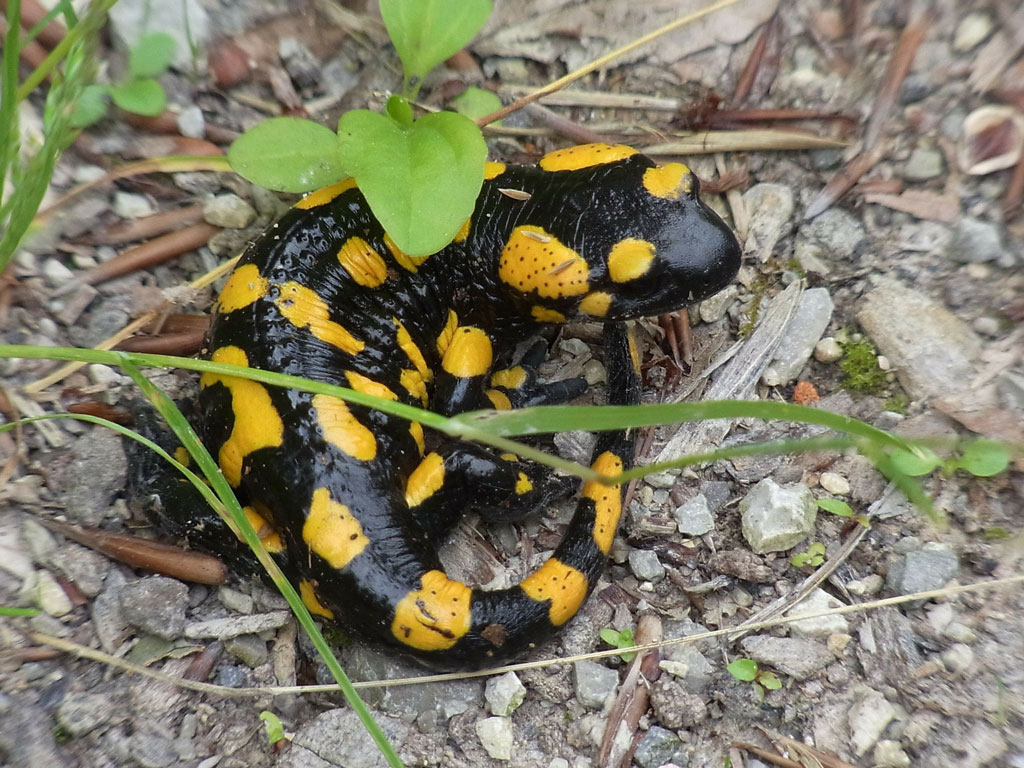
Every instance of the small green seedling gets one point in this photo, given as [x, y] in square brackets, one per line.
[762, 679]
[813, 557]
[139, 92]
[5, 611]
[476, 102]
[842, 509]
[981, 458]
[274, 728]
[620, 638]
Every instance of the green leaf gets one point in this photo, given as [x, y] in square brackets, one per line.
[426, 32]
[836, 507]
[800, 559]
[151, 56]
[287, 154]
[610, 636]
[476, 102]
[743, 669]
[984, 458]
[399, 110]
[91, 106]
[274, 728]
[816, 549]
[420, 182]
[142, 97]
[769, 680]
[915, 464]
[9, 611]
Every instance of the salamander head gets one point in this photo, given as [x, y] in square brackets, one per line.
[674, 251]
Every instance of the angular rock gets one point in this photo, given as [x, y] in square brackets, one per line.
[975, 241]
[495, 734]
[222, 629]
[504, 694]
[776, 518]
[822, 626]
[645, 565]
[694, 518]
[771, 212]
[837, 232]
[658, 747]
[594, 684]
[797, 657]
[228, 210]
[809, 321]
[95, 474]
[868, 717]
[156, 605]
[932, 351]
[928, 568]
[79, 712]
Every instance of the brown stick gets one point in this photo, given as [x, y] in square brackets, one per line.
[101, 410]
[31, 14]
[133, 230]
[152, 253]
[184, 344]
[844, 179]
[745, 82]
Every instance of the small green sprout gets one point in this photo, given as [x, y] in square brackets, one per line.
[814, 556]
[139, 92]
[748, 671]
[981, 458]
[274, 728]
[620, 638]
[842, 509]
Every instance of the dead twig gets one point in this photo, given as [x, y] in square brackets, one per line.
[133, 230]
[760, 60]
[154, 252]
[844, 179]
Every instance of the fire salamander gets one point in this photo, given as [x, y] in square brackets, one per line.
[352, 502]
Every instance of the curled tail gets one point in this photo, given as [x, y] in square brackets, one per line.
[448, 622]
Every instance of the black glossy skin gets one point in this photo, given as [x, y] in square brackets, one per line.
[589, 210]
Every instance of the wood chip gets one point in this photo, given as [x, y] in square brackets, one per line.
[920, 203]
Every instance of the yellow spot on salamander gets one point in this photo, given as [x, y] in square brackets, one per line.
[469, 353]
[305, 309]
[509, 457]
[444, 338]
[326, 194]
[343, 430]
[499, 400]
[414, 384]
[368, 386]
[509, 378]
[416, 430]
[463, 233]
[312, 603]
[670, 181]
[492, 170]
[271, 539]
[435, 616]
[425, 480]
[257, 423]
[596, 304]
[407, 345]
[630, 259]
[546, 315]
[362, 262]
[405, 261]
[634, 351]
[607, 500]
[331, 530]
[562, 584]
[243, 287]
[585, 156]
[182, 456]
[535, 261]
[523, 484]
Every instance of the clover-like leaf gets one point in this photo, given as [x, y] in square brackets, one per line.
[287, 154]
[915, 464]
[151, 56]
[91, 106]
[426, 32]
[421, 182]
[476, 102]
[984, 458]
[141, 97]
[743, 669]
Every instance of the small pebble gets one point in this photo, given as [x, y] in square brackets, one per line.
[594, 372]
[869, 585]
[960, 633]
[103, 374]
[828, 350]
[834, 483]
[495, 734]
[884, 364]
[228, 211]
[87, 172]
[972, 29]
[987, 326]
[958, 657]
[56, 273]
[129, 205]
[191, 122]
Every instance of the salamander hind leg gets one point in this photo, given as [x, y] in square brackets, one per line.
[518, 385]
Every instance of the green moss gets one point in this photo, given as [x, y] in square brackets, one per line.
[860, 366]
[898, 403]
[748, 326]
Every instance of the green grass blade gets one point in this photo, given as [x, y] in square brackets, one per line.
[8, 92]
[188, 438]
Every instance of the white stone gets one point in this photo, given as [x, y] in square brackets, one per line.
[972, 29]
[868, 718]
[191, 122]
[129, 205]
[694, 518]
[822, 626]
[834, 483]
[50, 596]
[504, 694]
[56, 273]
[495, 734]
[828, 350]
[130, 20]
[103, 374]
[958, 657]
[776, 518]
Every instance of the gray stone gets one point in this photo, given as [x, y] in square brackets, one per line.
[156, 605]
[594, 684]
[674, 706]
[928, 568]
[151, 749]
[972, 29]
[79, 712]
[657, 747]
[251, 650]
[923, 164]
[504, 694]
[645, 565]
[40, 542]
[770, 207]
[809, 321]
[236, 601]
[776, 518]
[95, 475]
[495, 734]
[26, 734]
[975, 241]
[837, 232]
[869, 716]
[56, 274]
[130, 20]
[690, 665]
[932, 350]
[111, 627]
[822, 626]
[694, 518]
[129, 205]
[714, 308]
[222, 629]
[958, 658]
[232, 676]
[87, 569]
[228, 210]
[834, 483]
[794, 656]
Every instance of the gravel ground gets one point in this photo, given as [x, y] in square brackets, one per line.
[918, 261]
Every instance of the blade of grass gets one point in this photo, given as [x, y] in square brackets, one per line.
[184, 432]
[8, 91]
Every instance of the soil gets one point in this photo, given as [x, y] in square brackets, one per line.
[921, 264]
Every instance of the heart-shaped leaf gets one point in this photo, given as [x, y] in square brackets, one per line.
[426, 32]
[287, 154]
[151, 56]
[421, 182]
[141, 97]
